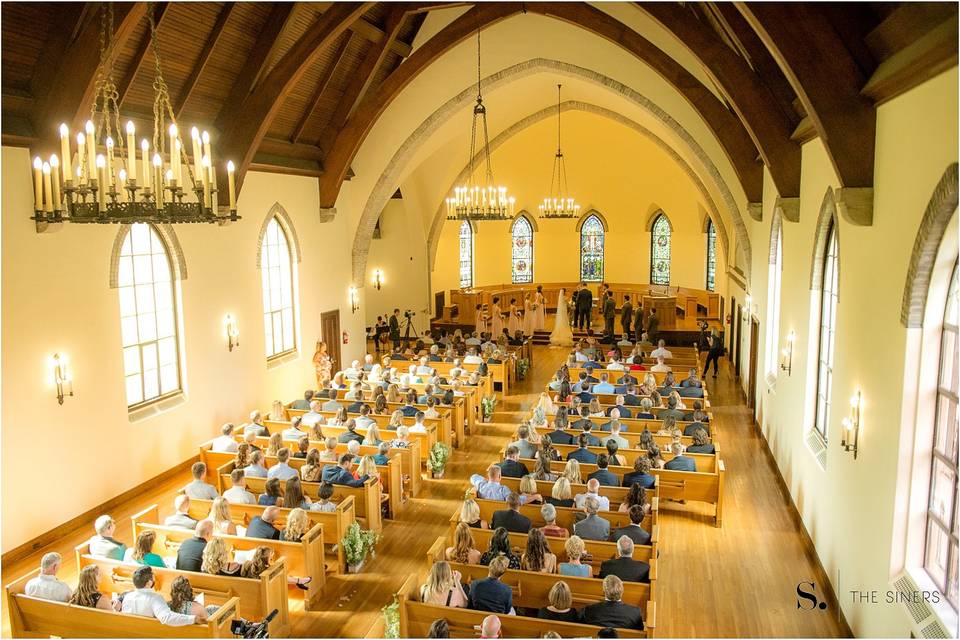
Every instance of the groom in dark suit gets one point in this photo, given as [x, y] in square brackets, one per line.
[584, 306]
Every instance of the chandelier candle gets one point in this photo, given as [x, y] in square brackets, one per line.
[65, 153]
[91, 150]
[101, 164]
[232, 185]
[206, 181]
[38, 183]
[208, 157]
[145, 147]
[109, 161]
[55, 178]
[174, 156]
[122, 184]
[131, 152]
[47, 189]
[158, 177]
[81, 158]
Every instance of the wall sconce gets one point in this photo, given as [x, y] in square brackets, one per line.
[61, 376]
[378, 278]
[233, 331]
[787, 364]
[354, 296]
[851, 425]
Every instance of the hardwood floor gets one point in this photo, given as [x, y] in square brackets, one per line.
[738, 580]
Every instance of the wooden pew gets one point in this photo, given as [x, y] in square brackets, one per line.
[436, 427]
[443, 424]
[335, 523]
[633, 428]
[258, 596]
[497, 374]
[632, 454]
[390, 475]
[566, 517]
[34, 617]
[458, 411]
[424, 440]
[705, 462]
[304, 558]
[366, 498]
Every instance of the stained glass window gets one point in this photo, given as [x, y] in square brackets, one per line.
[148, 317]
[828, 327]
[522, 251]
[276, 271]
[711, 256]
[466, 255]
[591, 250]
[940, 554]
[660, 251]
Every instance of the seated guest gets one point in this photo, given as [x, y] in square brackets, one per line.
[103, 543]
[624, 566]
[443, 587]
[575, 550]
[339, 419]
[490, 627]
[282, 470]
[661, 351]
[293, 495]
[190, 553]
[464, 549]
[561, 495]
[490, 594]
[470, 514]
[671, 410]
[262, 526]
[490, 488]
[312, 417]
[640, 474]
[364, 421]
[292, 432]
[418, 425]
[237, 493]
[669, 381]
[511, 467]
[324, 503]
[680, 462]
[439, 628]
[646, 410]
[142, 551]
[660, 367]
[604, 385]
[332, 404]
[46, 585]
[431, 411]
[351, 433]
[180, 519]
[523, 445]
[381, 458]
[271, 492]
[592, 440]
[182, 600]
[561, 605]
[701, 442]
[329, 453]
[558, 435]
[199, 487]
[630, 397]
[88, 590]
[669, 428]
[303, 404]
[216, 559]
[615, 458]
[593, 527]
[220, 516]
[500, 546]
[372, 436]
[298, 524]
[603, 475]
[549, 514]
[408, 410]
[402, 441]
[340, 473]
[636, 496]
[274, 444]
[144, 601]
[529, 493]
[692, 379]
[698, 415]
[538, 557]
[510, 518]
[572, 472]
[634, 530]
[656, 460]
[612, 612]
[620, 408]
[355, 393]
[225, 442]
[255, 468]
[582, 454]
[542, 470]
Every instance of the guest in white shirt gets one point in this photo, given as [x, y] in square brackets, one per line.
[615, 364]
[593, 490]
[418, 426]
[292, 432]
[256, 468]
[353, 371]
[355, 392]
[199, 488]
[312, 417]
[238, 494]
[579, 355]
[660, 367]
[424, 369]
[472, 358]
[367, 362]
[256, 425]
[282, 470]
[144, 601]
[180, 519]
[329, 454]
[103, 544]
[431, 412]
[225, 443]
[661, 351]
[46, 585]
[364, 421]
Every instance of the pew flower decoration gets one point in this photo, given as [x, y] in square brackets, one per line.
[437, 459]
[487, 405]
[391, 619]
[523, 365]
[357, 545]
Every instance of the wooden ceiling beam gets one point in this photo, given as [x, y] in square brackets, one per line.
[800, 38]
[376, 35]
[204, 58]
[754, 103]
[68, 21]
[322, 85]
[246, 124]
[286, 165]
[143, 49]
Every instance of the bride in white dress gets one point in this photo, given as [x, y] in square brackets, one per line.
[561, 336]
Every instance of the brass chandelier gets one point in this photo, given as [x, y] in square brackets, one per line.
[106, 183]
[559, 203]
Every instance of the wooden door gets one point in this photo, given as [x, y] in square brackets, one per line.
[736, 349]
[754, 344]
[330, 334]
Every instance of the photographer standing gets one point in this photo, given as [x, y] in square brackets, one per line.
[395, 329]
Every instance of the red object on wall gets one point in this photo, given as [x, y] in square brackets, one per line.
[346, 338]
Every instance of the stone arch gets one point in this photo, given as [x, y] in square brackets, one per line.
[776, 228]
[592, 212]
[940, 209]
[390, 177]
[523, 213]
[177, 262]
[283, 218]
[828, 218]
[652, 218]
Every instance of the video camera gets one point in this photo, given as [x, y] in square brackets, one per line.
[245, 629]
[409, 314]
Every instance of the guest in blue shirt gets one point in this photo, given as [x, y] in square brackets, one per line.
[489, 488]
[582, 455]
[604, 385]
[381, 457]
[340, 473]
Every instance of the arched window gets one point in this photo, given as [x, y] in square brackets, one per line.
[940, 552]
[276, 273]
[591, 250]
[774, 277]
[522, 251]
[660, 251]
[711, 256]
[466, 255]
[828, 327]
[148, 317]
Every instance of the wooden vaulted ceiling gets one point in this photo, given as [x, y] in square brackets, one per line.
[296, 87]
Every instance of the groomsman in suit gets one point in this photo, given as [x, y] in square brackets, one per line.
[609, 313]
[584, 306]
[626, 315]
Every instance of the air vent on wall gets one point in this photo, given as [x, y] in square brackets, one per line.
[817, 447]
[923, 619]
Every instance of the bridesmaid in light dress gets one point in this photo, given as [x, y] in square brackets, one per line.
[496, 319]
[513, 322]
[540, 310]
[528, 316]
[481, 321]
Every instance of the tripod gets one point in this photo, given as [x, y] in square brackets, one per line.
[407, 329]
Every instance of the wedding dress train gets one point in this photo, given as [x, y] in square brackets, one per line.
[561, 336]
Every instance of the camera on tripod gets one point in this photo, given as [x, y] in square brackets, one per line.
[409, 314]
[245, 629]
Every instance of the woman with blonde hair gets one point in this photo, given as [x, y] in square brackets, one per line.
[220, 516]
[538, 556]
[443, 587]
[312, 469]
[393, 393]
[142, 550]
[396, 419]
[322, 364]
[528, 490]
[297, 526]
[546, 404]
[182, 600]
[596, 411]
[561, 495]
[572, 471]
[88, 590]
[216, 559]
[372, 437]
[676, 396]
[275, 444]
[470, 514]
[402, 441]
[670, 428]
[575, 549]
[367, 467]
[561, 605]
[257, 564]
[464, 549]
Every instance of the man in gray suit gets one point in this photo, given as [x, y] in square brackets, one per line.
[671, 411]
[593, 527]
[527, 448]
[626, 315]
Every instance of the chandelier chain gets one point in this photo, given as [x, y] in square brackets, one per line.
[105, 89]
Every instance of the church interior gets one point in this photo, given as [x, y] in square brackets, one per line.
[480, 319]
